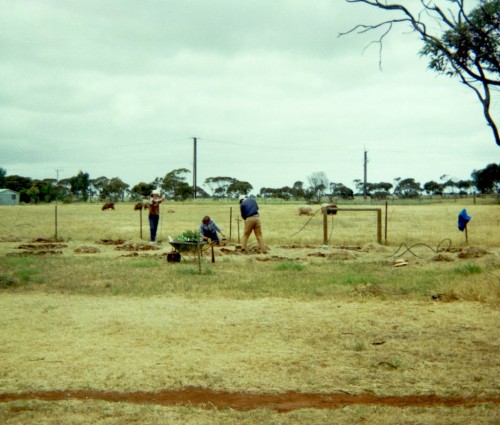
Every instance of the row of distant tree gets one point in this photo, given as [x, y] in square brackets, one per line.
[174, 185]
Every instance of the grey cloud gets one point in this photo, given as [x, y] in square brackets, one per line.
[90, 83]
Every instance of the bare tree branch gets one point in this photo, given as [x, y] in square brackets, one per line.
[471, 64]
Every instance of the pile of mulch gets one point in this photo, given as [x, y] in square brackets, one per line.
[135, 247]
[39, 247]
[472, 252]
[335, 255]
[442, 257]
[111, 242]
[87, 250]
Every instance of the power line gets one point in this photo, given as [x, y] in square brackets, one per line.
[308, 147]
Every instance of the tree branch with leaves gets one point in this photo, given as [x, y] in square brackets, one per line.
[466, 44]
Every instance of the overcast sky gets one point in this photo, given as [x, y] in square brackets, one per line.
[119, 88]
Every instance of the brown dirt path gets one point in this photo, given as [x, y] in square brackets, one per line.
[281, 402]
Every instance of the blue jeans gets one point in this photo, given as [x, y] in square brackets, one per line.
[211, 234]
[153, 226]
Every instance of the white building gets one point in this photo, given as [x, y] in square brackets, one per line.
[9, 197]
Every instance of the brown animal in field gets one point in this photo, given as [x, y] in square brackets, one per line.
[170, 210]
[108, 206]
[140, 205]
[305, 211]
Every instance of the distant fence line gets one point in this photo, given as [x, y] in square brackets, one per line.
[356, 201]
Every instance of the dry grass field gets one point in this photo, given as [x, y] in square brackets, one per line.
[98, 328]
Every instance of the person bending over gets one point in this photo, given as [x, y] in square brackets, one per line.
[209, 229]
[250, 213]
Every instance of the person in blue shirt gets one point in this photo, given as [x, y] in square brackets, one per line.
[250, 213]
[209, 229]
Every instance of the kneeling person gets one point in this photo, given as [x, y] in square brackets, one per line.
[209, 229]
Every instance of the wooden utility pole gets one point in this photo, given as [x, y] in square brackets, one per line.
[195, 165]
[365, 173]
[325, 226]
[55, 212]
[385, 227]
[140, 223]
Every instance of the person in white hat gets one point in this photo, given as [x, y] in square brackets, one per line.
[250, 213]
[154, 214]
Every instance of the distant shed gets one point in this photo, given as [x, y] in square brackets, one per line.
[9, 197]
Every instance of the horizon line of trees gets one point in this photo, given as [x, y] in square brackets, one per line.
[175, 186]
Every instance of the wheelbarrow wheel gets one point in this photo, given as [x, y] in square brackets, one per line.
[174, 257]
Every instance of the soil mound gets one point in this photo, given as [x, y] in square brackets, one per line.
[472, 252]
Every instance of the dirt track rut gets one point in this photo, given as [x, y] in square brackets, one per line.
[281, 402]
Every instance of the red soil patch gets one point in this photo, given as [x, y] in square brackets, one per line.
[44, 246]
[38, 240]
[111, 242]
[136, 247]
[281, 402]
[33, 252]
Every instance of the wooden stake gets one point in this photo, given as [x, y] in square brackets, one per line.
[55, 218]
[199, 256]
[140, 223]
[379, 225]
[325, 226]
[385, 229]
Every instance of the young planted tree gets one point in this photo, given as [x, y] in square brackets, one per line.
[465, 44]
